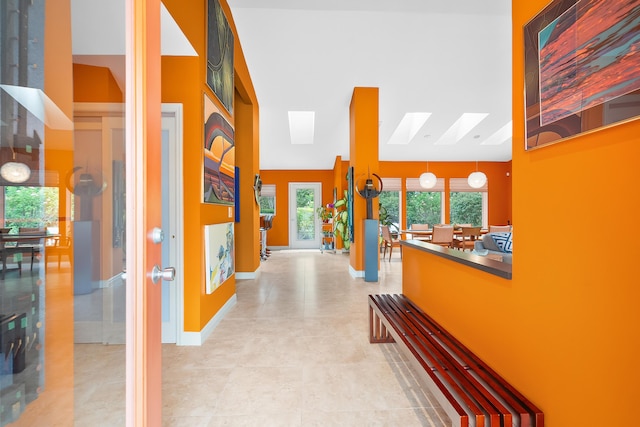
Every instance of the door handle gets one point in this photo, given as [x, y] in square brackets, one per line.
[168, 274]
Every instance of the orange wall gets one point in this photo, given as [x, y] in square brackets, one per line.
[499, 187]
[95, 84]
[564, 330]
[279, 233]
[499, 182]
[184, 81]
[363, 157]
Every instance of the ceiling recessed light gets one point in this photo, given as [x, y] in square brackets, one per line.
[461, 127]
[301, 126]
[408, 128]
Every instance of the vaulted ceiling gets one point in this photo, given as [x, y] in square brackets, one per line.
[440, 59]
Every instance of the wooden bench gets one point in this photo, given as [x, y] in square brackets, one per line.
[469, 391]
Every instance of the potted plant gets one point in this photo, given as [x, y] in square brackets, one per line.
[341, 221]
[325, 212]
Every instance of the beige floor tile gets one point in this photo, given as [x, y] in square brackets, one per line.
[294, 351]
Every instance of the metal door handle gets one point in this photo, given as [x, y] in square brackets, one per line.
[168, 274]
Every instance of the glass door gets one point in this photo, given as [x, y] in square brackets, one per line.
[304, 227]
[79, 200]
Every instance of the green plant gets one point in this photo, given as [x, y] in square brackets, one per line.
[341, 221]
[325, 212]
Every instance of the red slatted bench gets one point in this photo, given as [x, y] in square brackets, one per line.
[470, 392]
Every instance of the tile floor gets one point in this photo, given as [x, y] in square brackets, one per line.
[294, 351]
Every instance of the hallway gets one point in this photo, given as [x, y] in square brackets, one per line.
[294, 351]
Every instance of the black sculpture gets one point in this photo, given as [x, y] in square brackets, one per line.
[369, 192]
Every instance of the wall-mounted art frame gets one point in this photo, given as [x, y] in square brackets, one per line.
[219, 254]
[219, 157]
[582, 69]
[220, 55]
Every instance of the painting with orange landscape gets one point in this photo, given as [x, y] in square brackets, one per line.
[582, 67]
[219, 156]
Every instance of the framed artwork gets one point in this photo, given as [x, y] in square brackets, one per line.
[219, 157]
[582, 69]
[219, 254]
[220, 55]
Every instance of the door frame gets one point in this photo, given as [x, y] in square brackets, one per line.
[293, 242]
[173, 332]
[174, 234]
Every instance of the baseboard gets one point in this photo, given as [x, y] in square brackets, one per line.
[198, 338]
[247, 275]
[356, 274]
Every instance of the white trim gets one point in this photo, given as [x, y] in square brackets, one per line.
[176, 218]
[317, 191]
[198, 338]
[356, 274]
[247, 275]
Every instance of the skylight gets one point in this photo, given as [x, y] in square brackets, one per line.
[461, 127]
[501, 136]
[409, 126]
[301, 126]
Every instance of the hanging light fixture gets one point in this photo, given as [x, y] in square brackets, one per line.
[15, 172]
[428, 179]
[477, 179]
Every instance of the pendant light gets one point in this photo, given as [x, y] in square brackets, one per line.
[428, 179]
[477, 179]
[15, 172]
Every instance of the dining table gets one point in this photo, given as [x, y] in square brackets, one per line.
[422, 234]
[19, 243]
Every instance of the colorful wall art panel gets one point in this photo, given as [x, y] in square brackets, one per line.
[582, 68]
[219, 157]
[219, 254]
[220, 55]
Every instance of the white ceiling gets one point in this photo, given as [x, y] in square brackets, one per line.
[431, 56]
[444, 58]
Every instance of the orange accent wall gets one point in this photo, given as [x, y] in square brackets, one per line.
[363, 155]
[498, 179]
[278, 235]
[95, 84]
[499, 186]
[184, 81]
[564, 330]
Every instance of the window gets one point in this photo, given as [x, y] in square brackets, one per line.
[30, 207]
[389, 201]
[268, 199]
[424, 206]
[468, 205]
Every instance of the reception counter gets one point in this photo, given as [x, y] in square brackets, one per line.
[468, 259]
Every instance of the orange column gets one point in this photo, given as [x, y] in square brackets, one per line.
[363, 157]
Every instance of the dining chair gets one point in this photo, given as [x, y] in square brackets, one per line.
[466, 239]
[58, 246]
[31, 246]
[442, 235]
[388, 241]
[420, 227]
[499, 228]
[3, 251]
